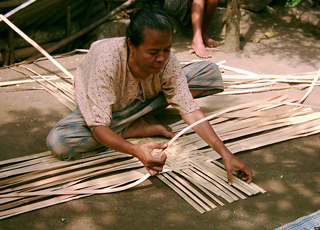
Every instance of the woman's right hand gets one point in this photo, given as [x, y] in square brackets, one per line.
[153, 164]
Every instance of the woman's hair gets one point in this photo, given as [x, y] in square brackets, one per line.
[151, 18]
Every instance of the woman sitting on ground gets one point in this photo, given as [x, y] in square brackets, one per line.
[121, 80]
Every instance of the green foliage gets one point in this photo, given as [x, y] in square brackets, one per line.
[292, 3]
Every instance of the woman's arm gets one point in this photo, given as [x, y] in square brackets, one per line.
[205, 131]
[107, 137]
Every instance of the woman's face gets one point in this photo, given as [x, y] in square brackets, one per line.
[152, 54]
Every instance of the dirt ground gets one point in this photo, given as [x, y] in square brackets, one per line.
[289, 170]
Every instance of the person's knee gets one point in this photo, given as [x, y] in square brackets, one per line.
[211, 65]
[58, 146]
[213, 68]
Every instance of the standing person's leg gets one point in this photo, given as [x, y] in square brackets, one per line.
[209, 11]
[202, 12]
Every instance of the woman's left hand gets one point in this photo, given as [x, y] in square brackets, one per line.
[233, 163]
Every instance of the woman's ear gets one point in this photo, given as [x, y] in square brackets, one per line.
[130, 44]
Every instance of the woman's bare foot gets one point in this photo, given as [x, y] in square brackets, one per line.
[149, 118]
[140, 128]
[209, 41]
[199, 49]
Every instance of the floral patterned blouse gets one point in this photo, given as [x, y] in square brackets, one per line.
[104, 84]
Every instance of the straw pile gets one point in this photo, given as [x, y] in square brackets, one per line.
[191, 170]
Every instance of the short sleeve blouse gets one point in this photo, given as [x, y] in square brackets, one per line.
[104, 84]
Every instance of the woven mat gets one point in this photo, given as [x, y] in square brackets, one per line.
[311, 222]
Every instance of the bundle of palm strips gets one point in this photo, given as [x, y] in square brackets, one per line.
[191, 170]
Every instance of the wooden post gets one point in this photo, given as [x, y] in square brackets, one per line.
[232, 40]
[6, 56]
[68, 26]
[11, 46]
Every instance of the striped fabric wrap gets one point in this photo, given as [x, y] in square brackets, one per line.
[311, 222]
[178, 9]
[71, 138]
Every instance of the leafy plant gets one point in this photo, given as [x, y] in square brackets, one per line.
[292, 3]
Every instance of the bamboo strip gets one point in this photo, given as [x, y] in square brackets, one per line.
[239, 184]
[9, 203]
[256, 90]
[19, 159]
[35, 45]
[269, 138]
[218, 185]
[187, 192]
[182, 194]
[213, 155]
[251, 74]
[83, 174]
[46, 164]
[22, 89]
[182, 160]
[111, 181]
[311, 87]
[208, 185]
[257, 110]
[181, 124]
[40, 204]
[251, 183]
[71, 176]
[66, 101]
[272, 140]
[257, 117]
[105, 181]
[189, 187]
[46, 157]
[258, 126]
[228, 110]
[220, 181]
[194, 155]
[52, 170]
[222, 174]
[245, 85]
[261, 83]
[204, 119]
[21, 6]
[67, 88]
[10, 83]
[114, 183]
[234, 77]
[186, 173]
[5, 170]
[66, 92]
[31, 166]
[310, 131]
[111, 189]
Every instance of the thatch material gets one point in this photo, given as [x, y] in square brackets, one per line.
[191, 168]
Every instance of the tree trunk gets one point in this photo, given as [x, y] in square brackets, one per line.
[232, 41]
